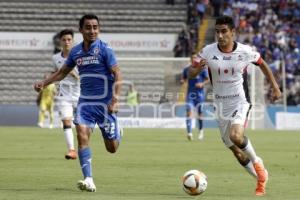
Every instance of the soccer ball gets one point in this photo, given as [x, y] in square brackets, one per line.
[194, 182]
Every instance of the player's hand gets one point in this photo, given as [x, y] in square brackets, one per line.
[199, 85]
[113, 107]
[38, 86]
[276, 94]
[198, 62]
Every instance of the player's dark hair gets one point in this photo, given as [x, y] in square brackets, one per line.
[225, 20]
[87, 16]
[66, 32]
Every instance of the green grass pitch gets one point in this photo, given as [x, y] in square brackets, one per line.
[148, 165]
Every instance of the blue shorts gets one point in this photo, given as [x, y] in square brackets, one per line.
[92, 113]
[194, 103]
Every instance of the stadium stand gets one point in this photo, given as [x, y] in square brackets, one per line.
[19, 69]
[264, 30]
[117, 16]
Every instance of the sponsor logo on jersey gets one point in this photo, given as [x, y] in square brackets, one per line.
[87, 60]
[226, 96]
[226, 57]
[96, 50]
[215, 58]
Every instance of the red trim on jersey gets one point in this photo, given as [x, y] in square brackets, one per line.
[245, 69]
[259, 61]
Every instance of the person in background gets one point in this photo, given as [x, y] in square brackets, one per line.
[132, 98]
[68, 92]
[195, 97]
[45, 101]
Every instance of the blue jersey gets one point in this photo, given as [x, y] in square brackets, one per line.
[96, 79]
[194, 93]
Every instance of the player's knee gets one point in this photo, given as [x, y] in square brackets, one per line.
[236, 137]
[112, 147]
[111, 150]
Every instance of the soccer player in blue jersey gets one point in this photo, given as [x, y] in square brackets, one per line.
[100, 84]
[195, 97]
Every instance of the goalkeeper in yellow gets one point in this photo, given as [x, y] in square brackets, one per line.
[46, 103]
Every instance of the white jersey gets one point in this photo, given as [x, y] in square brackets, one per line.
[69, 87]
[228, 73]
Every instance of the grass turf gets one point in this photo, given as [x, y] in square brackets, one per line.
[148, 165]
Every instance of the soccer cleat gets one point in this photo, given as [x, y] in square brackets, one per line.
[71, 155]
[201, 135]
[262, 178]
[40, 124]
[190, 136]
[86, 185]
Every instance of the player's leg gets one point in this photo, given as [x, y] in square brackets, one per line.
[51, 113]
[42, 113]
[200, 120]
[66, 112]
[84, 122]
[237, 137]
[242, 158]
[188, 120]
[111, 132]
[85, 158]
[69, 137]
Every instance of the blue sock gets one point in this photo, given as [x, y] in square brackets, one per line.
[200, 124]
[85, 158]
[188, 125]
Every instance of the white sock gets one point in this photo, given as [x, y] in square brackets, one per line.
[89, 179]
[69, 138]
[250, 169]
[249, 151]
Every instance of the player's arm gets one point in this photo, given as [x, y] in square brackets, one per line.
[196, 67]
[276, 93]
[56, 76]
[182, 79]
[113, 107]
[202, 84]
[74, 75]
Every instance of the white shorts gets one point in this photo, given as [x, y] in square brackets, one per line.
[66, 109]
[235, 115]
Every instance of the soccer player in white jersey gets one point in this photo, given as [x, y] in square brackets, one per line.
[68, 92]
[227, 62]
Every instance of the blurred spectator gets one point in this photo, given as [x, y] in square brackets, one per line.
[45, 102]
[56, 43]
[273, 28]
[201, 8]
[170, 2]
[216, 4]
[183, 44]
[132, 98]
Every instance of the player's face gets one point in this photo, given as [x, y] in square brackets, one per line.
[224, 35]
[90, 30]
[66, 42]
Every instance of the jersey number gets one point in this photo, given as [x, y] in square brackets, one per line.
[110, 128]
